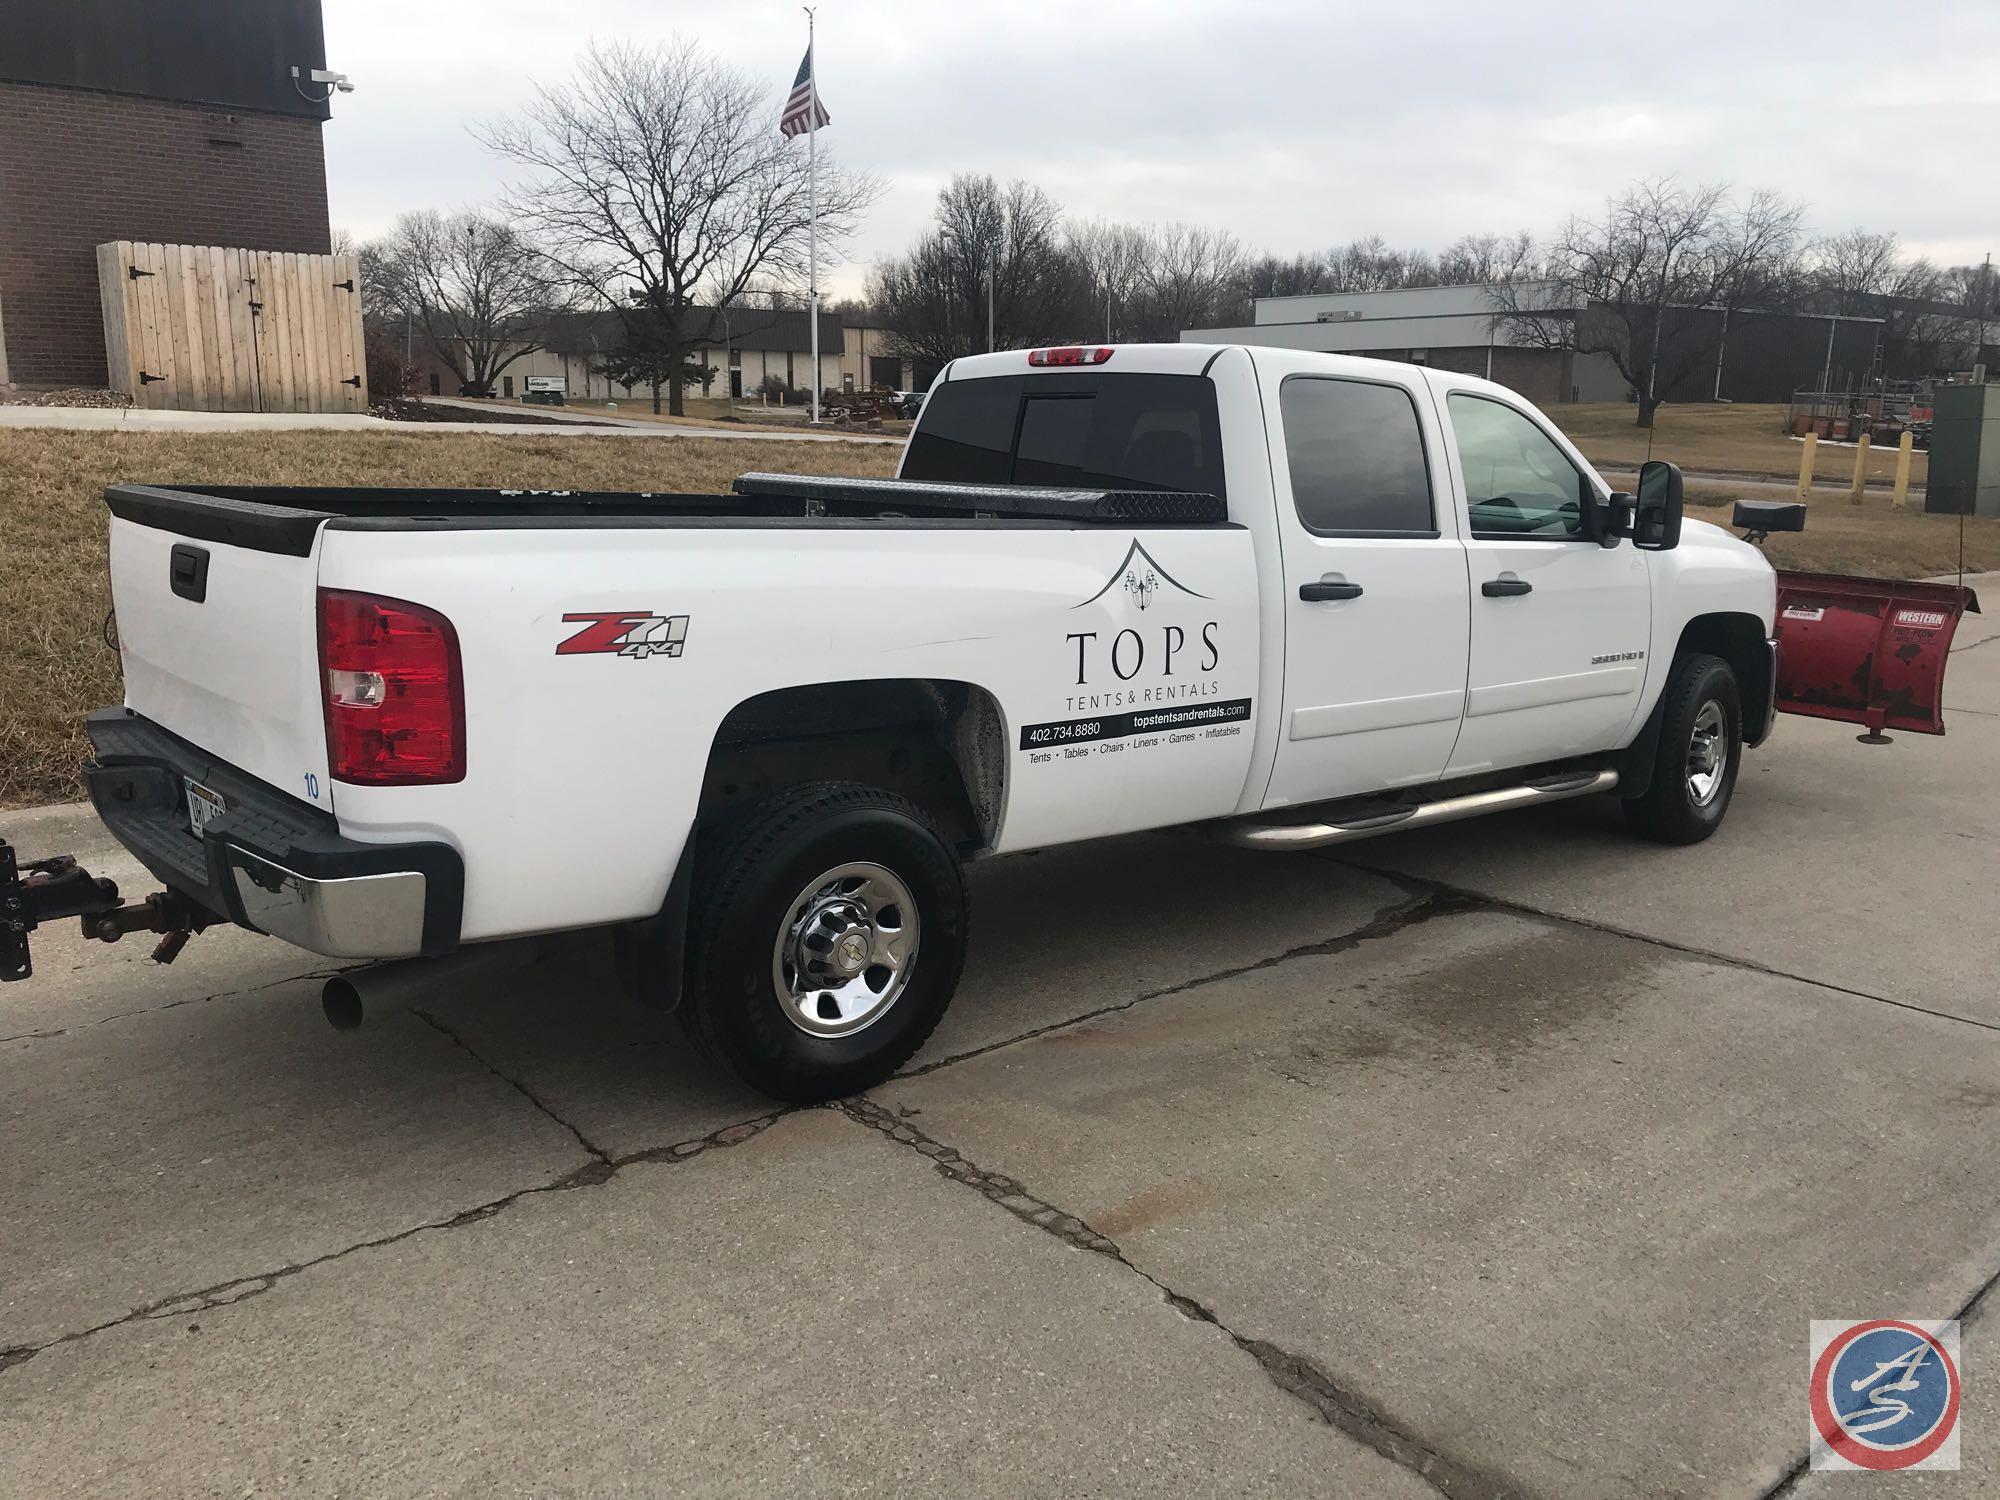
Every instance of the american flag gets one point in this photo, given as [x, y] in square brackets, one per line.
[803, 111]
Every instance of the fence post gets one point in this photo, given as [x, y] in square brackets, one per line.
[1860, 471]
[1902, 500]
[1806, 465]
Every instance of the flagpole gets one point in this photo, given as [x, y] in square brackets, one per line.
[812, 205]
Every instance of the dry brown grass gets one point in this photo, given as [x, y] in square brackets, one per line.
[1869, 540]
[54, 666]
[1728, 439]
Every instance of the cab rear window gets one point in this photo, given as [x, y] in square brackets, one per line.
[1088, 431]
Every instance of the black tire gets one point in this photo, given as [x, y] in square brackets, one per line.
[748, 890]
[1671, 811]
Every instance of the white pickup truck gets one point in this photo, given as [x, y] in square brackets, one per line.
[1289, 599]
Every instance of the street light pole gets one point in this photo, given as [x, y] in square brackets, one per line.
[990, 345]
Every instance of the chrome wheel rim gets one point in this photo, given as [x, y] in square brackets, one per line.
[1708, 754]
[846, 947]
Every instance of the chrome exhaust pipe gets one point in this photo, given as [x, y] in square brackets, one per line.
[370, 993]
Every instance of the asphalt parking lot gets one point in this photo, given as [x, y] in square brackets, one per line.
[1511, 1157]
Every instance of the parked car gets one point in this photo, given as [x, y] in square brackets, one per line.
[1287, 599]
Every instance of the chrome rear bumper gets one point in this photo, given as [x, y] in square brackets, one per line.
[352, 916]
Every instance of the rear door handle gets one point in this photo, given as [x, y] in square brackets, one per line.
[1315, 593]
[1505, 588]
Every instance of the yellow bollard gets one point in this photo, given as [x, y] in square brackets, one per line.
[1806, 465]
[1860, 484]
[1902, 500]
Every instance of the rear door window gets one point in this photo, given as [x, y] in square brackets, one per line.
[1356, 457]
[1083, 431]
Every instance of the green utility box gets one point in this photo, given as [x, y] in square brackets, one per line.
[1965, 451]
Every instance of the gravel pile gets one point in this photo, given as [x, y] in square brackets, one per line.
[75, 395]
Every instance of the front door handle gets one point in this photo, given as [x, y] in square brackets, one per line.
[1505, 588]
[1315, 593]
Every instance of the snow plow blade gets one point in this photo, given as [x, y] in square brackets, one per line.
[1869, 651]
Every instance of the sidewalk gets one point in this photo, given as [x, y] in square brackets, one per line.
[132, 419]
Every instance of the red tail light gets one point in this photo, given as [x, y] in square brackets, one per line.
[1070, 356]
[395, 695]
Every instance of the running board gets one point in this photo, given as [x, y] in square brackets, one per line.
[1372, 819]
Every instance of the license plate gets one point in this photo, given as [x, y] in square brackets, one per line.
[202, 805]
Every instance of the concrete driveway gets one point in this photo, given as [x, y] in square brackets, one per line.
[1509, 1158]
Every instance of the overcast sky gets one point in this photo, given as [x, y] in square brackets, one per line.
[1297, 125]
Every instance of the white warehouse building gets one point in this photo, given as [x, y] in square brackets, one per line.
[1450, 327]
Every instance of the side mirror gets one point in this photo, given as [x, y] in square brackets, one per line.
[1656, 520]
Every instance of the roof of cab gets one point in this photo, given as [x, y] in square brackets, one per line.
[1147, 359]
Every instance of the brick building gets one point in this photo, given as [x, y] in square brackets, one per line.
[166, 120]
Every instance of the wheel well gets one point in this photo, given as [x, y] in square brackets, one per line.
[1739, 640]
[941, 743]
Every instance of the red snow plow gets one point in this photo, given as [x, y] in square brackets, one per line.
[1869, 651]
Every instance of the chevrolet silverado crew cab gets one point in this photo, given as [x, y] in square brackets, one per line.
[1288, 599]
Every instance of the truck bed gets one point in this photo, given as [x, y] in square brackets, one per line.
[285, 518]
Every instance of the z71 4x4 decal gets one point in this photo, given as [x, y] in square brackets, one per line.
[628, 632]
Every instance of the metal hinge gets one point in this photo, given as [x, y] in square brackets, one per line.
[144, 378]
[134, 273]
[353, 380]
[345, 286]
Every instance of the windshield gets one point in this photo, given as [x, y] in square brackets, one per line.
[1087, 431]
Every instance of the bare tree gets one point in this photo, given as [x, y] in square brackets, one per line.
[1147, 283]
[1643, 284]
[479, 293]
[1189, 277]
[1846, 270]
[1268, 276]
[1486, 259]
[658, 180]
[1110, 257]
[934, 300]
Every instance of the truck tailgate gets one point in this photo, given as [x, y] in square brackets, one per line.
[220, 646]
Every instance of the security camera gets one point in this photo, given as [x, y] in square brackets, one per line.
[330, 80]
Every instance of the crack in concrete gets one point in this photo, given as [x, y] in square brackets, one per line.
[514, 1083]
[1477, 900]
[594, 1173]
[1967, 1313]
[1292, 1373]
[1421, 907]
[603, 1166]
[153, 1010]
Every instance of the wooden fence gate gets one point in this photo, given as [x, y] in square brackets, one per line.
[205, 328]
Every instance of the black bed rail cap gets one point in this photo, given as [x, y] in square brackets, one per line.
[1162, 507]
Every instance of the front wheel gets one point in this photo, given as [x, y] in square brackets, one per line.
[1700, 749]
[828, 937]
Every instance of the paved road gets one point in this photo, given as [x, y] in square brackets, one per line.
[1508, 1158]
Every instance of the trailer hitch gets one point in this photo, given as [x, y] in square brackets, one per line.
[47, 890]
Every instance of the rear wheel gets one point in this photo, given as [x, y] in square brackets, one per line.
[1700, 749]
[827, 940]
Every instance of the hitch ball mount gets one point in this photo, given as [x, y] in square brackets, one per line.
[47, 890]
